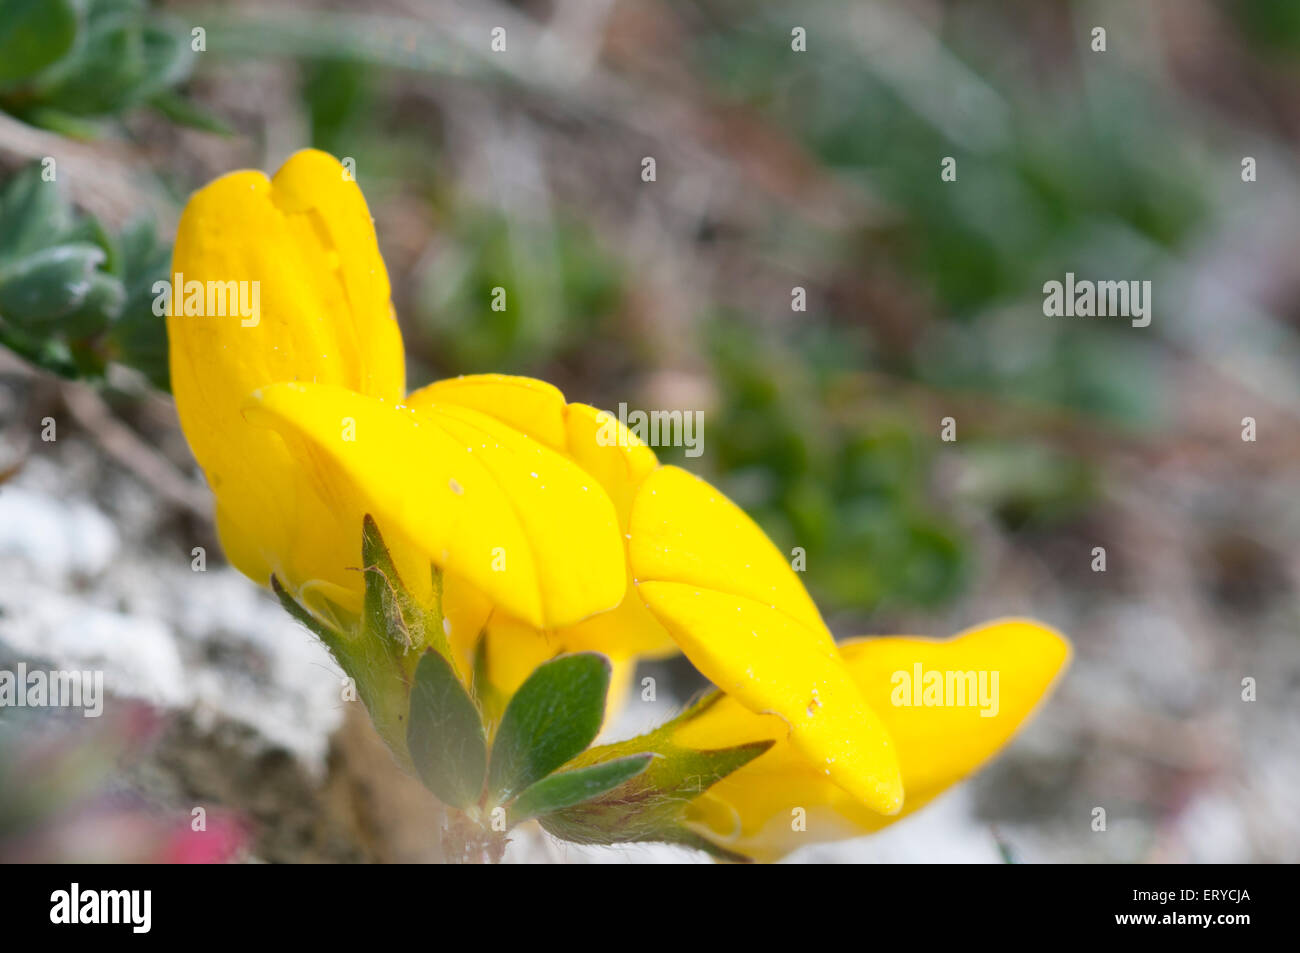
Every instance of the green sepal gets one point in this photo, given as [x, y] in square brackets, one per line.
[381, 684]
[381, 650]
[569, 788]
[553, 716]
[389, 612]
[445, 736]
[491, 700]
[302, 616]
[651, 807]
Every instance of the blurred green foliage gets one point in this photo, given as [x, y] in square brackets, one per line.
[852, 490]
[1273, 25]
[72, 296]
[562, 288]
[64, 63]
[563, 294]
[1043, 187]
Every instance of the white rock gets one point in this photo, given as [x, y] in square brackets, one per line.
[59, 538]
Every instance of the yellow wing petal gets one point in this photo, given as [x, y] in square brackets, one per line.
[516, 520]
[937, 745]
[735, 607]
[302, 250]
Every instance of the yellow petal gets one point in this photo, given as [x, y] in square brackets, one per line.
[530, 406]
[592, 438]
[684, 530]
[630, 630]
[465, 614]
[621, 678]
[941, 745]
[304, 248]
[514, 650]
[516, 520]
[600, 445]
[937, 746]
[735, 607]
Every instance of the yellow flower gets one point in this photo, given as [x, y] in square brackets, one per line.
[299, 417]
[553, 527]
[753, 811]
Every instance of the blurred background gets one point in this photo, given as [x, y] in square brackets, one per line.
[776, 169]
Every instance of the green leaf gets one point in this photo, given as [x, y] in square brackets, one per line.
[107, 64]
[72, 295]
[139, 337]
[555, 714]
[64, 123]
[50, 354]
[48, 284]
[445, 736]
[568, 788]
[34, 213]
[100, 307]
[168, 61]
[33, 34]
[183, 112]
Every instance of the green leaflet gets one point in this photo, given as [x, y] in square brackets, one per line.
[569, 788]
[555, 714]
[445, 737]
